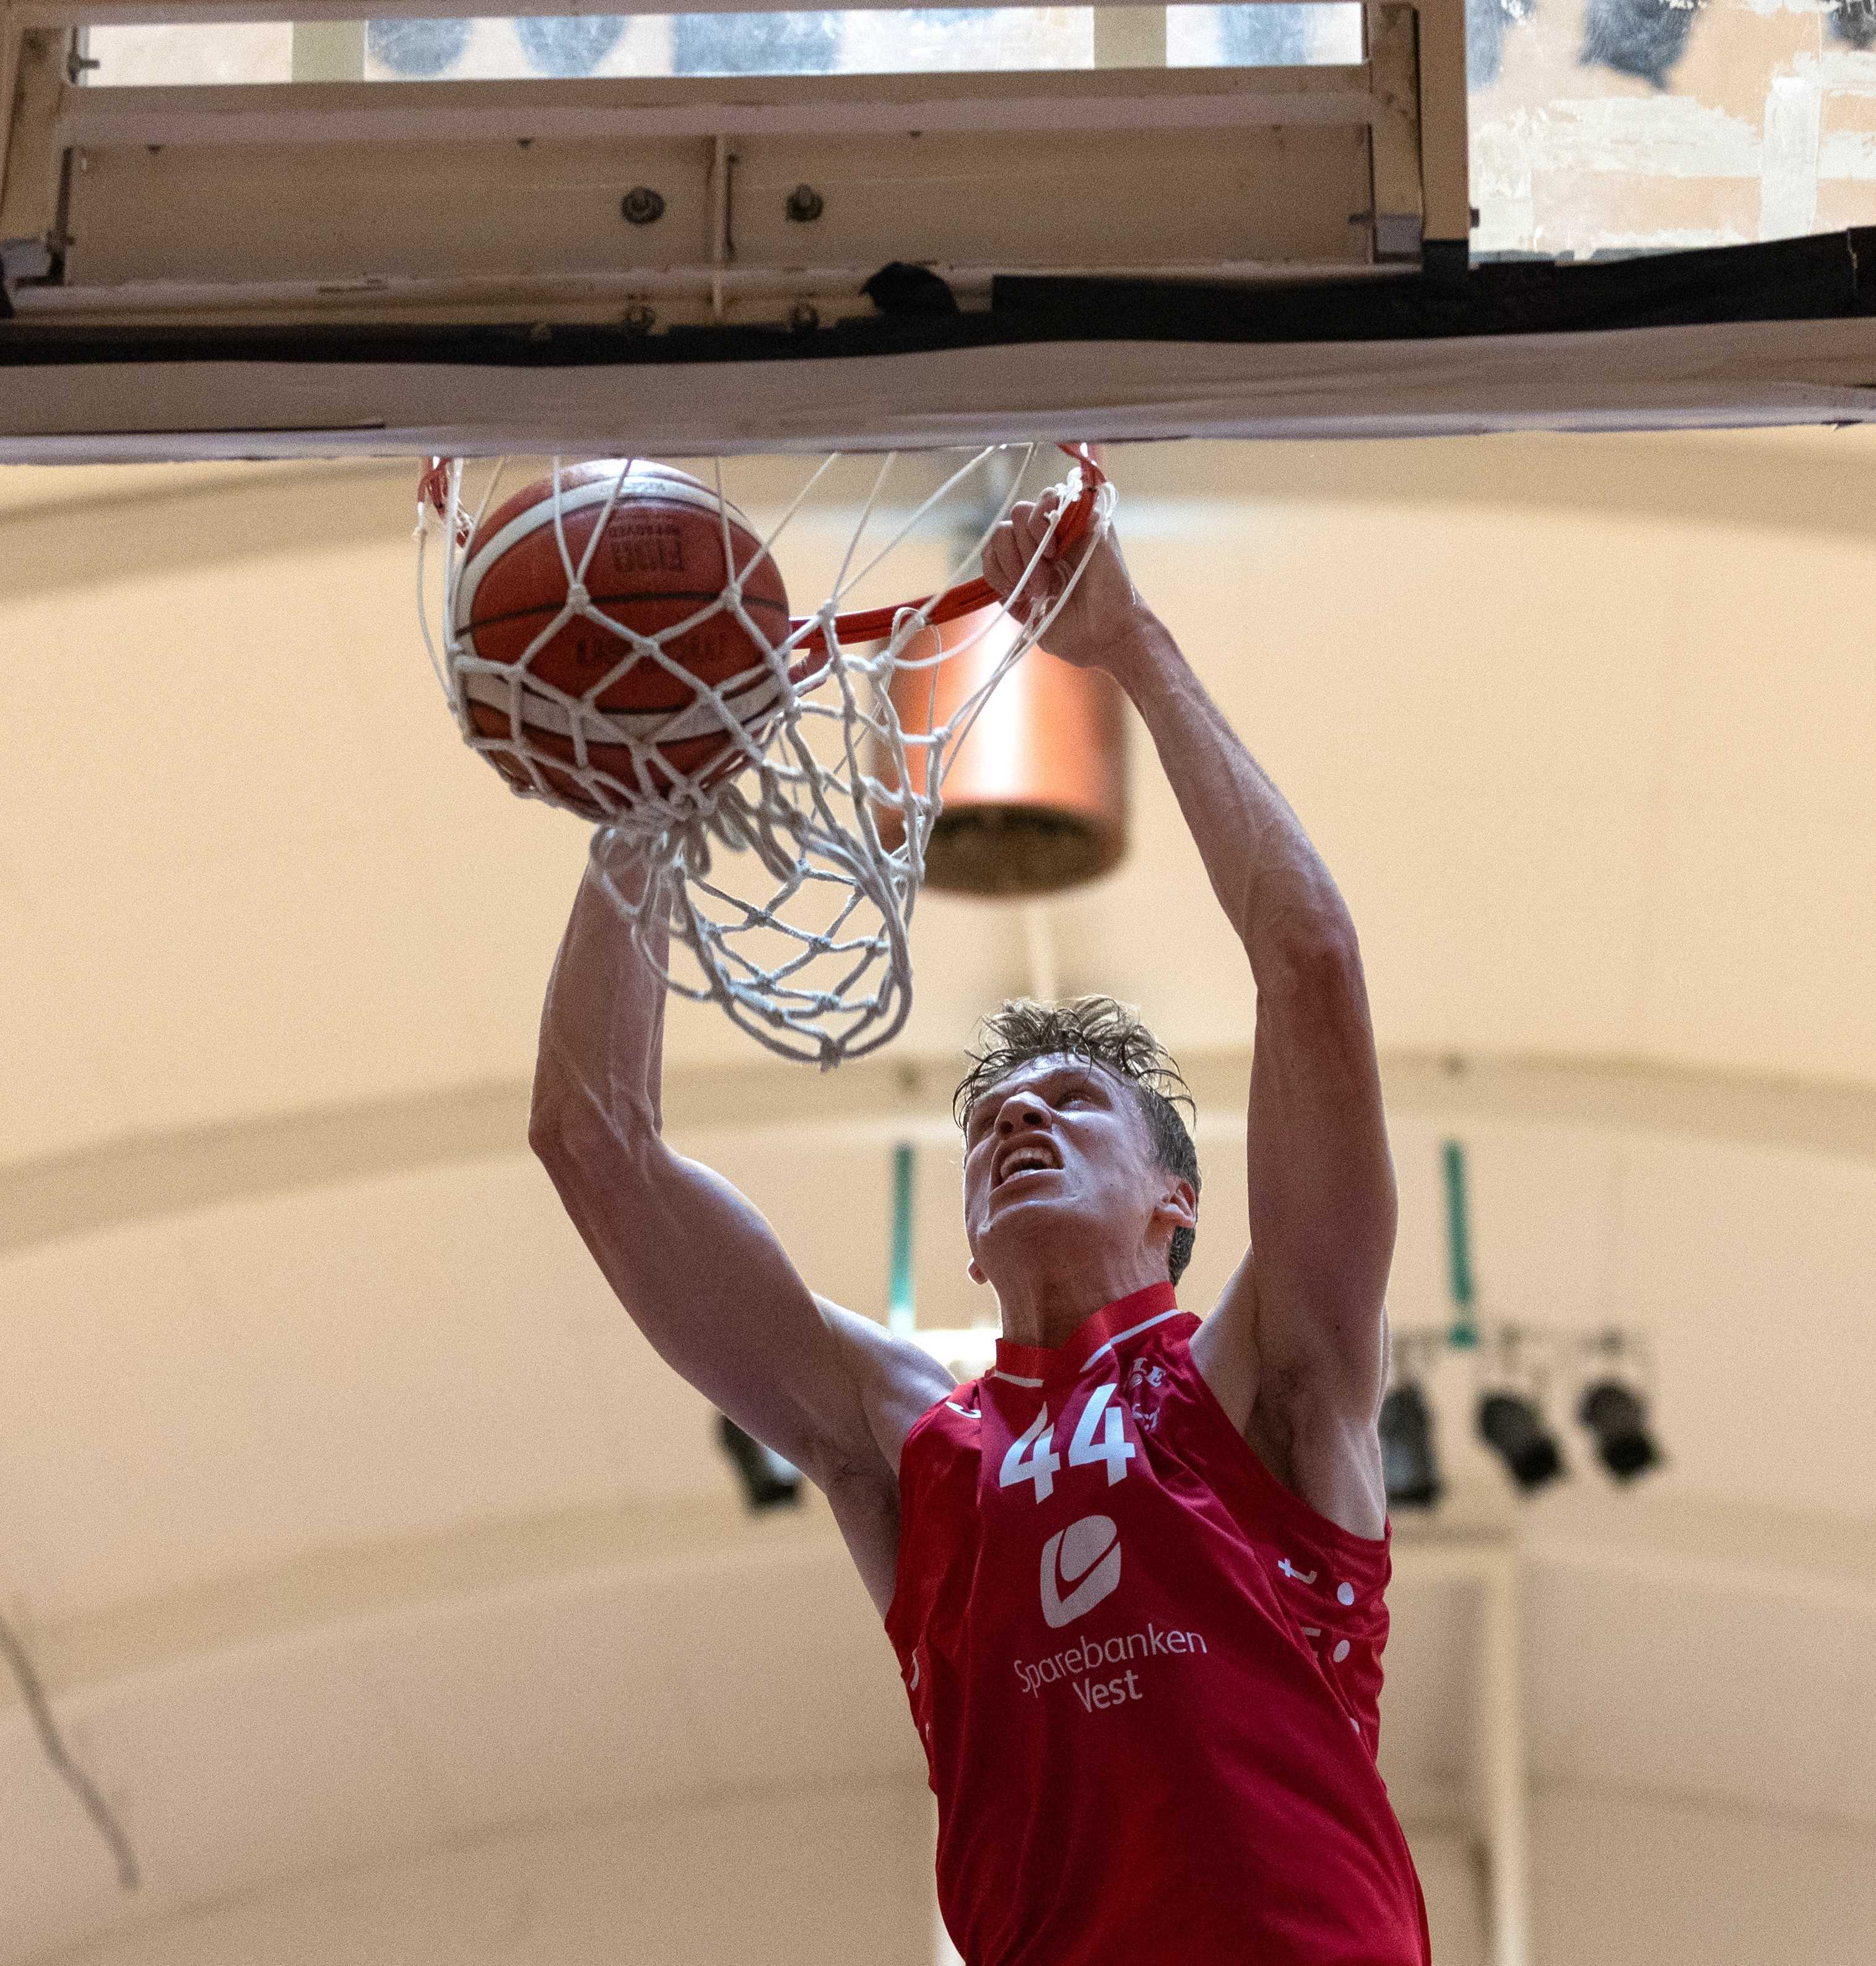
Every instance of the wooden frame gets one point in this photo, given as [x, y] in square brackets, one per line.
[1300, 212]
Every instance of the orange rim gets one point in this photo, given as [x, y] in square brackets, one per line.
[873, 624]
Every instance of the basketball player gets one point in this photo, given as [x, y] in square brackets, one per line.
[1134, 1574]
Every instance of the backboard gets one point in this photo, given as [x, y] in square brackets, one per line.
[273, 226]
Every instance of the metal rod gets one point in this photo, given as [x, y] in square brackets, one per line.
[902, 1304]
[483, 295]
[1501, 1769]
[1465, 1330]
[1044, 984]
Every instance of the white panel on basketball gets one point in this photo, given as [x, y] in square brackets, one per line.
[637, 480]
[752, 698]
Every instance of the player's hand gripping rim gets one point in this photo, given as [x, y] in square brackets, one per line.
[1030, 571]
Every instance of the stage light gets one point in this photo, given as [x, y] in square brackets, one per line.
[1514, 1427]
[1616, 1415]
[1407, 1465]
[768, 1482]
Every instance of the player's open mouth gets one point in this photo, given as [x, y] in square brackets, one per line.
[1031, 1158]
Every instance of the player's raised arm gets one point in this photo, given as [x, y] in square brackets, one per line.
[1297, 1350]
[693, 1262]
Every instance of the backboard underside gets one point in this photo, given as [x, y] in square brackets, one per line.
[696, 262]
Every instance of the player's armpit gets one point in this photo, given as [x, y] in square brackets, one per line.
[1299, 1422]
[866, 1511]
[897, 1382]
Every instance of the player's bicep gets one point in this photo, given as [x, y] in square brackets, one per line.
[899, 1381]
[1323, 1203]
[701, 1273]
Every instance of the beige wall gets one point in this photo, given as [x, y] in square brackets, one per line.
[841, 1878]
[1632, 1881]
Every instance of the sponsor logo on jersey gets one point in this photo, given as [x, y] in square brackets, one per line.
[1088, 1551]
[1088, 1655]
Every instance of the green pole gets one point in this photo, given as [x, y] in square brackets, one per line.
[1465, 1330]
[900, 1314]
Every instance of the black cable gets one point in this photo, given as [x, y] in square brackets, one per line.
[80, 1783]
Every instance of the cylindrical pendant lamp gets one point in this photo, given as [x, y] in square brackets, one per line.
[1035, 795]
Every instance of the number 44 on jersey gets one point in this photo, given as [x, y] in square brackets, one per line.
[1032, 1455]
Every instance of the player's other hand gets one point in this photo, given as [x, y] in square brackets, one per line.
[1093, 623]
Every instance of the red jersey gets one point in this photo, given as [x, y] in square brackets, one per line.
[1145, 1674]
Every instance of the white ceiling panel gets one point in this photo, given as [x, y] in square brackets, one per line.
[1465, 724]
[815, 1683]
[116, 1419]
[554, 1700]
[1663, 1684]
[334, 1367]
[267, 1762]
[1417, 1292]
[58, 1882]
[1753, 1273]
[390, 1344]
[64, 1072]
[339, 970]
[817, 1875]
[35, 489]
[195, 714]
[1762, 921]
[1543, 1225]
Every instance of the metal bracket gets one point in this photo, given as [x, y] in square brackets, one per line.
[24, 260]
[32, 163]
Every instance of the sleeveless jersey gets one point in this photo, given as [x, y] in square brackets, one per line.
[1145, 1674]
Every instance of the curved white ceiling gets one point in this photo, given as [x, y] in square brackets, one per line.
[1595, 783]
[302, 1360]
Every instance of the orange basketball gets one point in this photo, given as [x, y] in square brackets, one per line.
[661, 559]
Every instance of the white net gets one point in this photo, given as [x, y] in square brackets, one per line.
[779, 776]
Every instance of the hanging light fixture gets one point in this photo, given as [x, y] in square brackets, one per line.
[1036, 795]
[1514, 1426]
[1407, 1463]
[1617, 1416]
[768, 1481]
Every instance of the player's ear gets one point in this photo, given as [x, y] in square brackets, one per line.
[1178, 1205]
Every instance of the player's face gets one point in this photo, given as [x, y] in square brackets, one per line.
[1060, 1138]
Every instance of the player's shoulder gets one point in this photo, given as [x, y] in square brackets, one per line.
[898, 1382]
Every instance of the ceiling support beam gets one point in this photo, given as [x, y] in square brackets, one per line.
[877, 1102]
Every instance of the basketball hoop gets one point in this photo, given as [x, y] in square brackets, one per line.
[761, 804]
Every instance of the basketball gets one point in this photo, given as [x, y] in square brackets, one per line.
[669, 550]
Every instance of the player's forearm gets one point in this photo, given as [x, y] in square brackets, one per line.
[602, 1026]
[1270, 880]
